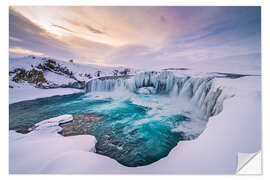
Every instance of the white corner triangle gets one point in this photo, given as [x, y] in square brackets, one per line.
[249, 163]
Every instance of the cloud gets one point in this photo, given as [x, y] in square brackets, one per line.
[19, 50]
[163, 19]
[37, 39]
[143, 37]
[93, 30]
[14, 39]
[86, 26]
[34, 38]
[61, 27]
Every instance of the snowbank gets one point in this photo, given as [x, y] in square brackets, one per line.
[28, 92]
[236, 129]
[43, 150]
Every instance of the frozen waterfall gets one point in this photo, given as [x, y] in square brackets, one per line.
[161, 83]
[201, 91]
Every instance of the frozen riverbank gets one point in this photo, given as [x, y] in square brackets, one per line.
[29, 93]
[236, 129]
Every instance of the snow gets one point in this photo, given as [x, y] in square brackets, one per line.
[236, 129]
[250, 64]
[78, 69]
[58, 79]
[25, 91]
[51, 125]
[28, 92]
[53, 153]
[48, 150]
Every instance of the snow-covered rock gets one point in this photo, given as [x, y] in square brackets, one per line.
[43, 72]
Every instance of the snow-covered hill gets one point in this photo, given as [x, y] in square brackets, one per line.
[45, 73]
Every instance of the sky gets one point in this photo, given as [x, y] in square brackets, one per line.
[136, 37]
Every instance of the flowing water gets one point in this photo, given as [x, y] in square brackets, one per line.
[136, 128]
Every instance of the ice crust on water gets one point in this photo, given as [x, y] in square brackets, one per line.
[51, 125]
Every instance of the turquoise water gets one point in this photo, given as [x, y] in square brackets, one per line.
[135, 130]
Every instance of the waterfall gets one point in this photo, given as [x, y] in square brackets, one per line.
[201, 91]
[161, 82]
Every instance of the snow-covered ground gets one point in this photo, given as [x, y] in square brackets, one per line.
[28, 92]
[28, 62]
[44, 72]
[236, 129]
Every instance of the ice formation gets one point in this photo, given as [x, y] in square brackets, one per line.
[201, 91]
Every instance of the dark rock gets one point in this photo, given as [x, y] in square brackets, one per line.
[114, 77]
[125, 72]
[36, 75]
[33, 76]
[232, 75]
[80, 124]
[51, 65]
[23, 131]
[88, 75]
